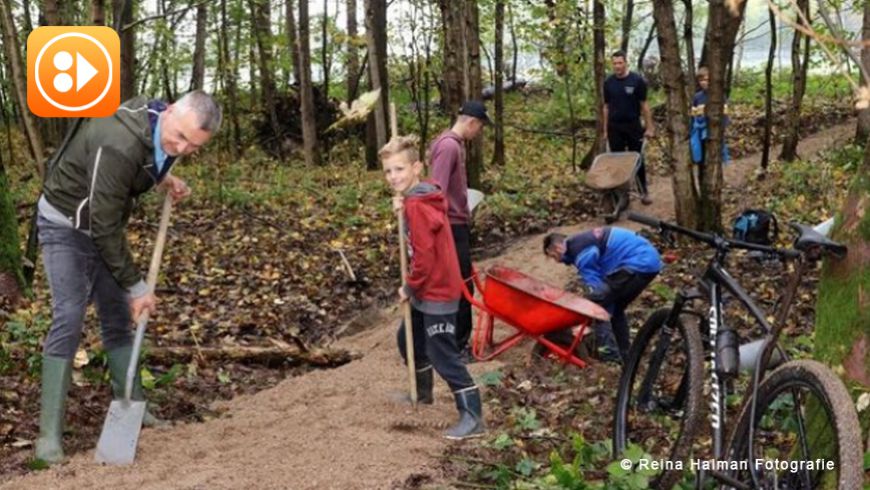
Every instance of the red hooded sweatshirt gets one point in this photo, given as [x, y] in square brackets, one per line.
[434, 283]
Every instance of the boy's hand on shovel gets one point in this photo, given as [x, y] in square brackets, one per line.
[402, 296]
[142, 303]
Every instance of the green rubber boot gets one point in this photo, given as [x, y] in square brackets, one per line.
[56, 372]
[119, 360]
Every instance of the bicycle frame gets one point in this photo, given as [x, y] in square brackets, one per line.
[720, 279]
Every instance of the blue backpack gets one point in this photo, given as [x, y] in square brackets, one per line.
[755, 226]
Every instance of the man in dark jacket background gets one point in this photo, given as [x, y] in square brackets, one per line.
[83, 215]
[625, 102]
[447, 169]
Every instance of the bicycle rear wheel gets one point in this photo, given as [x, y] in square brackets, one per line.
[803, 414]
[658, 405]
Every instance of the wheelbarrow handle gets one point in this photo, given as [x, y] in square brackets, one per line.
[153, 271]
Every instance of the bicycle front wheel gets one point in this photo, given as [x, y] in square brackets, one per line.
[804, 432]
[658, 405]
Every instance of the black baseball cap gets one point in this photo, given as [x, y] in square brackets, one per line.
[475, 109]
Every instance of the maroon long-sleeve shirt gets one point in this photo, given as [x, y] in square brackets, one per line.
[447, 169]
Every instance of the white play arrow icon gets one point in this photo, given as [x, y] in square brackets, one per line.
[84, 71]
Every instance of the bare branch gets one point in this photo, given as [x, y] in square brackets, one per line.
[167, 14]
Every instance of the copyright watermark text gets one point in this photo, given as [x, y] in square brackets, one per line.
[724, 465]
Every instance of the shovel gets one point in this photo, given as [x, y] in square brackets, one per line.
[123, 423]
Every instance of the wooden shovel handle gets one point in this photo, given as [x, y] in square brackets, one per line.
[406, 311]
[153, 272]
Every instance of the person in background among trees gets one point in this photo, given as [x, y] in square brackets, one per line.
[447, 169]
[624, 103]
[83, 215]
[698, 135]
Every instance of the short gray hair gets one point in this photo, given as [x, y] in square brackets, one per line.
[208, 109]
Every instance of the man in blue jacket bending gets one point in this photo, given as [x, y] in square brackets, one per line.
[615, 265]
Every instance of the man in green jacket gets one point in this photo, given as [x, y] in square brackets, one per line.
[83, 215]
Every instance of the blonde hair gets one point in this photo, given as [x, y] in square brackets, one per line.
[702, 72]
[408, 145]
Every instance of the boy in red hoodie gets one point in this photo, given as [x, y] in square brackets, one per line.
[433, 285]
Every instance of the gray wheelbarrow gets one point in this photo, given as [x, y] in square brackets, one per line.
[614, 175]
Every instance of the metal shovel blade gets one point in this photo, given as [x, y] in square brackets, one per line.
[120, 435]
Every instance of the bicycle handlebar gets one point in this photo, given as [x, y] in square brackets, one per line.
[716, 241]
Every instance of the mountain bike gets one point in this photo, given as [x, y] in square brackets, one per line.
[798, 413]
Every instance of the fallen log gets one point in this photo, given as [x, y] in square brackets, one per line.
[270, 356]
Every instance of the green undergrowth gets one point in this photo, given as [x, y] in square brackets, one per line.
[811, 191]
[820, 87]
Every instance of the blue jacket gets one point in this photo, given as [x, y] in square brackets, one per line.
[698, 132]
[600, 252]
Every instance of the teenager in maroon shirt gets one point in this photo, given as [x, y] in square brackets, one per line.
[447, 169]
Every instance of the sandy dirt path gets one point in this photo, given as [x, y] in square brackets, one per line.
[332, 429]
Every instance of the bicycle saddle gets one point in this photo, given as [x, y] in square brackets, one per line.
[810, 238]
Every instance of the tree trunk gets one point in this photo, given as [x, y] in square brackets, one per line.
[98, 12]
[13, 56]
[738, 58]
[324, 49]
[28, 23]
[50, 13]
[376, 28]
[842, 330]
[263, 35]
[863, 130]
[420, 66]
[676, 103]
[11, 273]
[799, 82]
[488, 63]
[647, 43]
[252, 68]
[721, 32]
[599, 145]
[352, 52]
[768, 94]
[689, 40]
[198, 76]
[165, 47]
[514, 45]
[292, 32]
[474, 82]
[452, 65]
[498, 153]
[230, 75]
[306, 91]
[626, 25]
[122, 12]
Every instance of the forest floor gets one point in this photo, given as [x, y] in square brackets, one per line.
[342, 427]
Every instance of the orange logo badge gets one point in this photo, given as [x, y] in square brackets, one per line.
[72, 71]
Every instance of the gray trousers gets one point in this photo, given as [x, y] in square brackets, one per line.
[77, 276]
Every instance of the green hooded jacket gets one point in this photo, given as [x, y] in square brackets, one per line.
[96, 179]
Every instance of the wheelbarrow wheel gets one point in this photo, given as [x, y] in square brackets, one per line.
[659, 399]
[614, 202]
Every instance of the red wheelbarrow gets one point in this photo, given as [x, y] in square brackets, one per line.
[533, 308]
